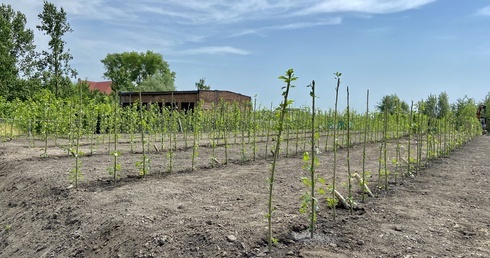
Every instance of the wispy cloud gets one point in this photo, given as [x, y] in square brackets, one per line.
[301, 25]
[289, 26]
[98, 10]
[194, 20]
[225, 11]
[485, 11]
[214, 50]
[216, 11]
[246, 32]
[363, 6]
[109, 26]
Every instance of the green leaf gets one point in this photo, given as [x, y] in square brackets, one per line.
[305, 181]
[321, 180]
[306, 156]
[321, 191]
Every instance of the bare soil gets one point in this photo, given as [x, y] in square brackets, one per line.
[218, 209]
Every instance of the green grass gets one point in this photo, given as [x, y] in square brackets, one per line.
[6, 131]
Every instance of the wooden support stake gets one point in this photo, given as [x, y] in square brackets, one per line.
[342, 200]
[404, 160]
[216, 160]
[366, 188]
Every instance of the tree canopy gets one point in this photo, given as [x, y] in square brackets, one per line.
[390, 103]
[16, 54]
[464, 110]
[443, 106]
[128, 70]
[201, 84]
[430, 106]
[55, 63]
[158, 82]
[436, 106]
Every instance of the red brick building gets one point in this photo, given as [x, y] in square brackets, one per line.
[184, 100]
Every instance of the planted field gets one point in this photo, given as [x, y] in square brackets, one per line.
[133, 167]
[218, 209]
[80, 178]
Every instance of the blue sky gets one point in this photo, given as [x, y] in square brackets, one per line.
[411, 48]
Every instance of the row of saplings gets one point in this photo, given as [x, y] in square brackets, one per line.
[247, 125]
[439, 136]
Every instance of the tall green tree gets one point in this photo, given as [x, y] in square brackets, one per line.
[201, 84]
[54, 63]
[430, 107]
[443, 106]
[158, 82]
[16, 54]
[464, 110]
[486, 102]
[128, 70]
[390, 102]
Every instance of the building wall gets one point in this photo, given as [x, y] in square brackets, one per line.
[181, 100]
[159, 98]
[184, 100]
[213, 96]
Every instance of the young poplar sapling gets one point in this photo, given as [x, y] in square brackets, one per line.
[288, 79]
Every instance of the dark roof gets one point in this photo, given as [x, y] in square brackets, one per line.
[126, 93]
[104, 87]
[123, 93]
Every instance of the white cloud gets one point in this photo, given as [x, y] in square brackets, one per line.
[301, 25]
[77, 9]
[213, 51]
[214, 11]
[289, 26]
[485, 11]
[363, 6]
[110, 26]
[246, 32]
[181, 21]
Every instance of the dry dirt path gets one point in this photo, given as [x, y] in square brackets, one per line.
[443, 212]
[219, 212]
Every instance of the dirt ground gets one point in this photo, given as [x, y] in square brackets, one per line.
[218, 210]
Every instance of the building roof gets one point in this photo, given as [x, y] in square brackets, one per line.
[177, 92]
[104, 87]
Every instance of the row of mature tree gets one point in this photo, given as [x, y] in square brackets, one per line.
[23, 71]
[434, 106]
[438, 107]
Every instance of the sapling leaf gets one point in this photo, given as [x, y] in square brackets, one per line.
[321, 191]
[306, 156]
[316, 161]
[304, 180]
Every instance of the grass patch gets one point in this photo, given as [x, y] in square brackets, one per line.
[7, 131]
